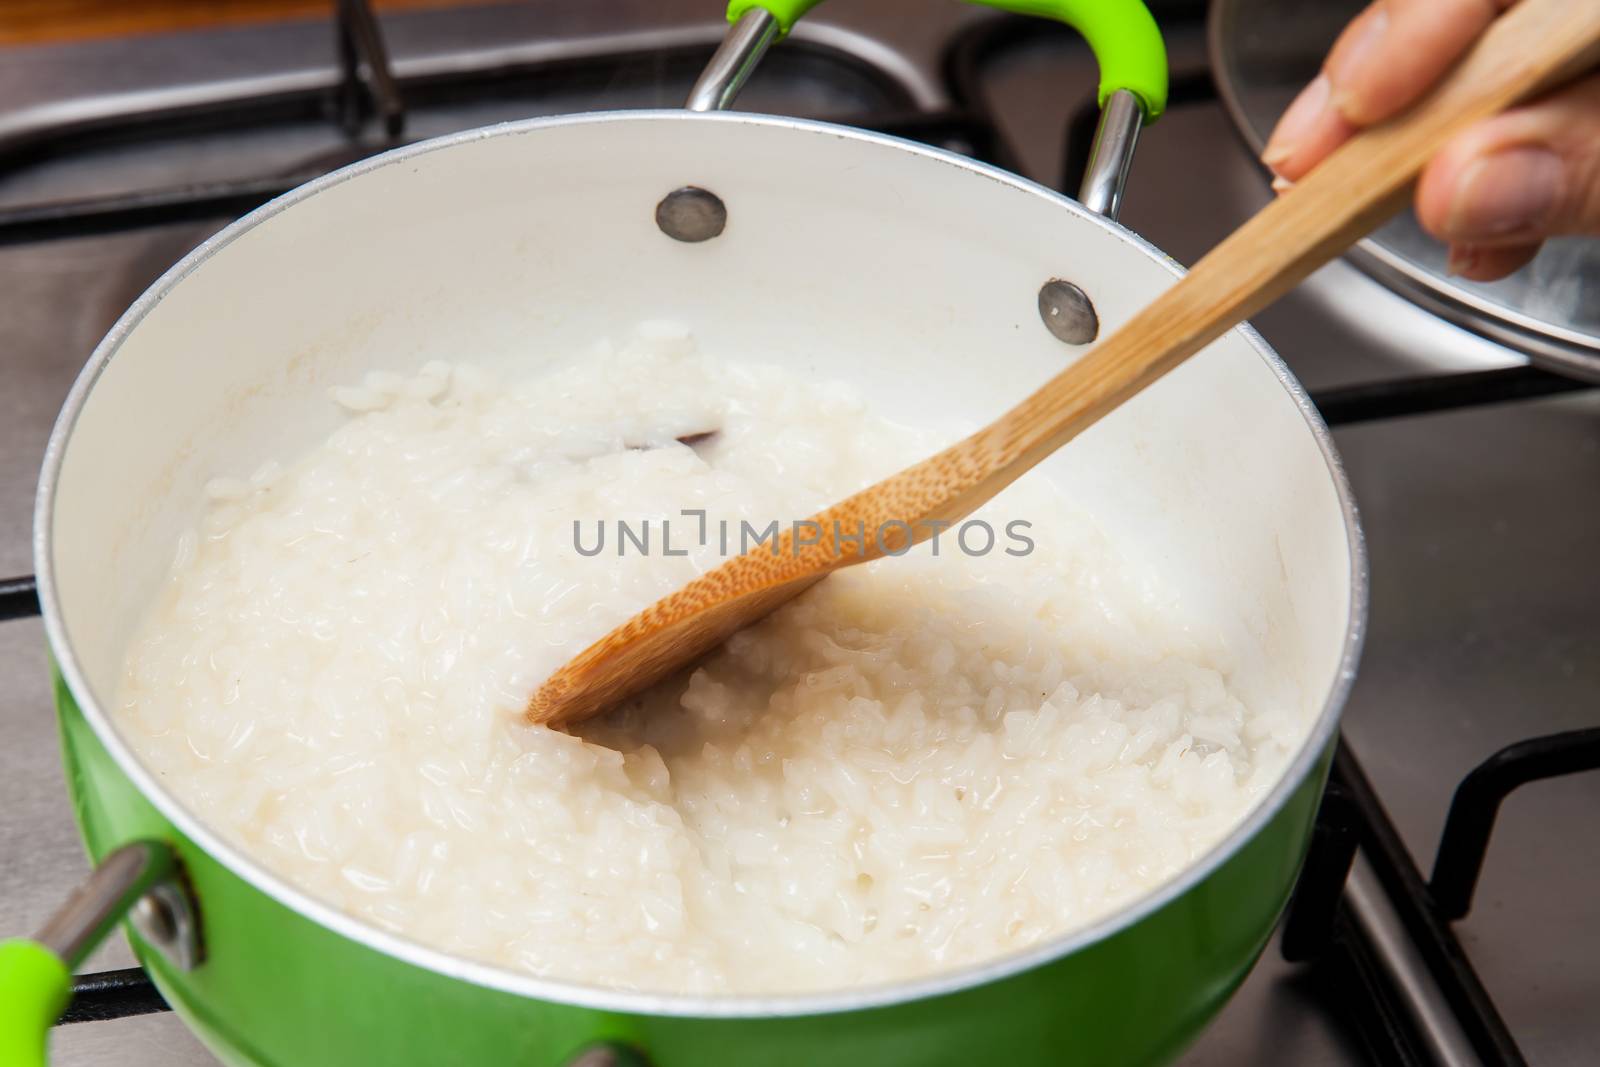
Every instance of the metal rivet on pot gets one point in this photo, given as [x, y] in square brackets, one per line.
[691, 214]
[1068, 313]
[165, 920]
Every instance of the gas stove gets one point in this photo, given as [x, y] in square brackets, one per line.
[1431, 924]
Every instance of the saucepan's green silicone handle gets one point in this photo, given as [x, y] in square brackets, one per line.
[34, 987]
[1123, 34]
[787, 12]
[1124, 37]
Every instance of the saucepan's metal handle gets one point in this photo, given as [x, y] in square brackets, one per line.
[754, 26]
[141, 878]
[1111, 154]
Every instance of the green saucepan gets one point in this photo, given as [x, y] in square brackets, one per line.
[835, 245]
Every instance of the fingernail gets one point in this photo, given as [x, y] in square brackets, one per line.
[1281, 185]
[1346, 65]
[1462, 259]
[1297, 121]
[1512, 191]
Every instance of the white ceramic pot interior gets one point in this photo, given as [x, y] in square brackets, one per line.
[910, 274]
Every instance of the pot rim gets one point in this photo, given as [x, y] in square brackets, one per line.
[630, 1001]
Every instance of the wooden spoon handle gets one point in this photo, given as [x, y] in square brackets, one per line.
[1536, 44]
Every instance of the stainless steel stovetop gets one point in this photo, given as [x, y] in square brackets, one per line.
[1483, 523]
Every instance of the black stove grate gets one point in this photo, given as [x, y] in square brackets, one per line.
[1319, 928]
[119, 994]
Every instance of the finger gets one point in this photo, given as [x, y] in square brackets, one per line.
[1386, 59]
[1530, 173]
[1479, 263]
[1407, 47]
[1307, 132]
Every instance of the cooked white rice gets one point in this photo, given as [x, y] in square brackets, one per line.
[918, 764]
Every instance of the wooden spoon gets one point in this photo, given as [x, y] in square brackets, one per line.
[1535, 44]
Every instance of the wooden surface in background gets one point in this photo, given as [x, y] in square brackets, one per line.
[43, 21]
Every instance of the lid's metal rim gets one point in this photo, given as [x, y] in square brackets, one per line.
[1568, 351]
[602, 998]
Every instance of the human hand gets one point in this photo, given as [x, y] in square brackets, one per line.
[1496, 191]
